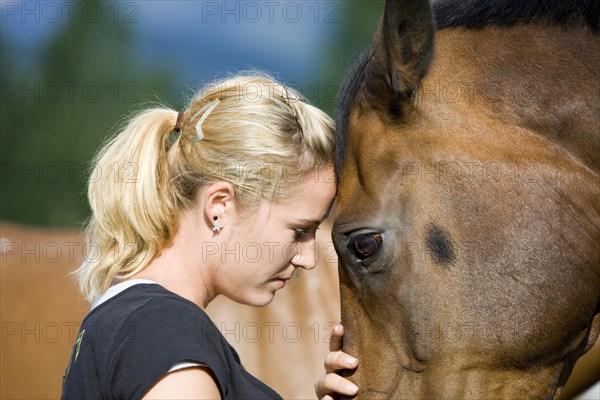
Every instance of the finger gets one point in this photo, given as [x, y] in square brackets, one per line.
[338, 360]
[333, 383]
[335, 340]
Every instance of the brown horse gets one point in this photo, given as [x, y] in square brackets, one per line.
[468, 217]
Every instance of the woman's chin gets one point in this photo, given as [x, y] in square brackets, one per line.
[263, 300]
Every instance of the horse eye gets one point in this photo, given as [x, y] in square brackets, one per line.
[366, 245]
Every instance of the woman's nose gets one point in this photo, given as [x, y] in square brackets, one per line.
[305, 258]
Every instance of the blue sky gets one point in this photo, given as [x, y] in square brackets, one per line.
[196, 38]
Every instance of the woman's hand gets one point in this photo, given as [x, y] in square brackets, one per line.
[331, 383]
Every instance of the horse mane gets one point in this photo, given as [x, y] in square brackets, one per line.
[345, 101]
[478, 13]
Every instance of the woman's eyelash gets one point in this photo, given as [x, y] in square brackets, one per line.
[300, 233]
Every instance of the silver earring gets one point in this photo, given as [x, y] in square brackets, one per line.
[217, 226]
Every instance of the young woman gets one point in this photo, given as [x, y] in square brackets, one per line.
[223, 198]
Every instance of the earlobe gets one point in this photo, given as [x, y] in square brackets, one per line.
[218, 202]
[217, 225]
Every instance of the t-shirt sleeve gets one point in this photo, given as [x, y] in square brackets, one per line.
[159, 335]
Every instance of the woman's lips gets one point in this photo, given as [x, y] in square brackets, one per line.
[281, 281]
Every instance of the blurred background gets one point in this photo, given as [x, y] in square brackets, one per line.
[71, 70]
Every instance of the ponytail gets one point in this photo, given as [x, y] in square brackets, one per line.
[133, 202]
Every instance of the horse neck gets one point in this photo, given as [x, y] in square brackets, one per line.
[454, 382]
[395, 373]
[542, 78]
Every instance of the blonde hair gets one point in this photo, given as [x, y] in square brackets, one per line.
[147, 174]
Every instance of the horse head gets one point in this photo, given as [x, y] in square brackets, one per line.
[468, 216]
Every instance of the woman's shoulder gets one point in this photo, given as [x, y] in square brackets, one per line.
[148, 305]
[146, 323]
[155, 295]
[140, 333]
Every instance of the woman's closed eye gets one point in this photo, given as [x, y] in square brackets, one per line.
[300, 234]
[304, 233]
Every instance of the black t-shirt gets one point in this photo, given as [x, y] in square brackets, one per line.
[126, 344]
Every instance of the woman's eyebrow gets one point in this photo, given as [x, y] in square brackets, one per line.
[310, 221]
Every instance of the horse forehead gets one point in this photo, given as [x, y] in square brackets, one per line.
[387, 164]
[373, 138]
[371, 152]
[377, 147]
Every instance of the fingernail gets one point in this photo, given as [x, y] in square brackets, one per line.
[351, 388]
[351, 362]
[336, 329]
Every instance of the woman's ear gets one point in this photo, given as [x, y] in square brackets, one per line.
[219, 203]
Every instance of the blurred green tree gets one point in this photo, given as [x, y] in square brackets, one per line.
[56, 114]
[357, 22]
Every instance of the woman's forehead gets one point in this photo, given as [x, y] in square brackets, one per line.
[311, 200]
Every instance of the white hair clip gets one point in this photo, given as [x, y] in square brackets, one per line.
[207, 109]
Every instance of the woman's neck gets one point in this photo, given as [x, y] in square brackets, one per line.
[180, 267]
